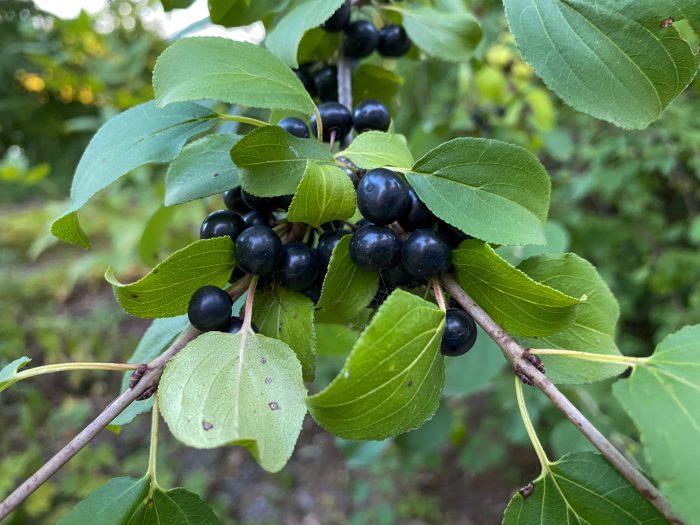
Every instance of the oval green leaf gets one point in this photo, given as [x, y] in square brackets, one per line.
[491, 190]
[374, 149]
[167, 289]
[221, 69]
[8, 373]
[216, 392]
[392, 380]
[114, 503]
[519, 304]
[173, 507]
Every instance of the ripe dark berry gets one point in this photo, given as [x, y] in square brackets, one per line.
[307, 80]
[338, 20]
[326, 243]
[233, 200]
[256, 218]
[257, 250]
[361, 38]
[295, 126]
[210, 309]
[382, 196]
[371, 114]
[426, 254]
[326, 82]
[398, 276]
[333, 225]
[452, 235]
[336, 118]
[459, 335]
[375, 247]
[393, 41]
[418, 215]
[220, 224]
[235, 325]
[297, 267]
[264, 204]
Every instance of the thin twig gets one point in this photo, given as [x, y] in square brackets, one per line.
[517, 356]
[345, 91]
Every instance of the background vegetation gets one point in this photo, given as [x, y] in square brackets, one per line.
[627, 201]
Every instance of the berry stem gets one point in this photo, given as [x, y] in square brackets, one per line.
[153, 450]
[331, 143]
[345, 90]
[529, 428]
[319, 125]
[65, 367]
[243, 120]
[307, 234]
[589, 356]
[439, 295]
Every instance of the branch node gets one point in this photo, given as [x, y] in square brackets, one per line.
[533, 359]
[523, 376]
[137, 375]
[147, 393]
[527, 491]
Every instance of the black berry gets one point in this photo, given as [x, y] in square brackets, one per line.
[233, 200]
[264, 204]
[361, 38]
[393, 41]
[418, 215]
[426, 254]
[256, 218]
[307, 80]
[220, 224]
[235, 325]
[382, 196]
[451, 234]
[338, 20]
[295, 126]
[459, 335]
[326, 243]
[371, 114]
[257, 250]
[333, 225]
[336, 118]
[397, 276]
[375, 247]
[297, 267]
[210, 309]
[326, 82]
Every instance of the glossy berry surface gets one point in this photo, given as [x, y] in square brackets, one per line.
[426, 254]
[257, 250]
[375, 247]
[326, 82]
[371, 114]
[264, 204]
[235, 325]
[417, 215]
[452, 235]
[256, 218]
[220, 224]
[459, 335]
[297, 267]
[233, 200]
[382, 196]
[308, 81]
[335, 118]
[295, 126]
[210, 309]
[360, 40]
[393, 41]
[326, 243]
[338, 20]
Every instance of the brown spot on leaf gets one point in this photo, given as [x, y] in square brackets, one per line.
[268, 380]
[216, 174]
[667, 22]
[263, 360]
[274, 406]
[207, 426]
[410, 383]
[527, 491]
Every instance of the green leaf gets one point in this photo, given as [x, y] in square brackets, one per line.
[173, 507]
[284, 39]
[447, 34]
[234, 13]
[611, 59]
[374, 149]
[519, 304]
[252, 396]
[234, 72]
[491, 190]
[112, 504]
[392, 380]
[154, 235]
[272, 161]
[593, 329]
[325, 193]
[289, 316]
[141, 135]
[169, 5]
[581, 488]
[159, 336]
[662, 396]
[203, 168]
[9, 371]
[346, 288]
[476, 370]
[167, 289]
[371, 81]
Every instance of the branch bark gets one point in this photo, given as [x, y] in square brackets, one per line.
[116, 407]
[345, 90]
[517, 356]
